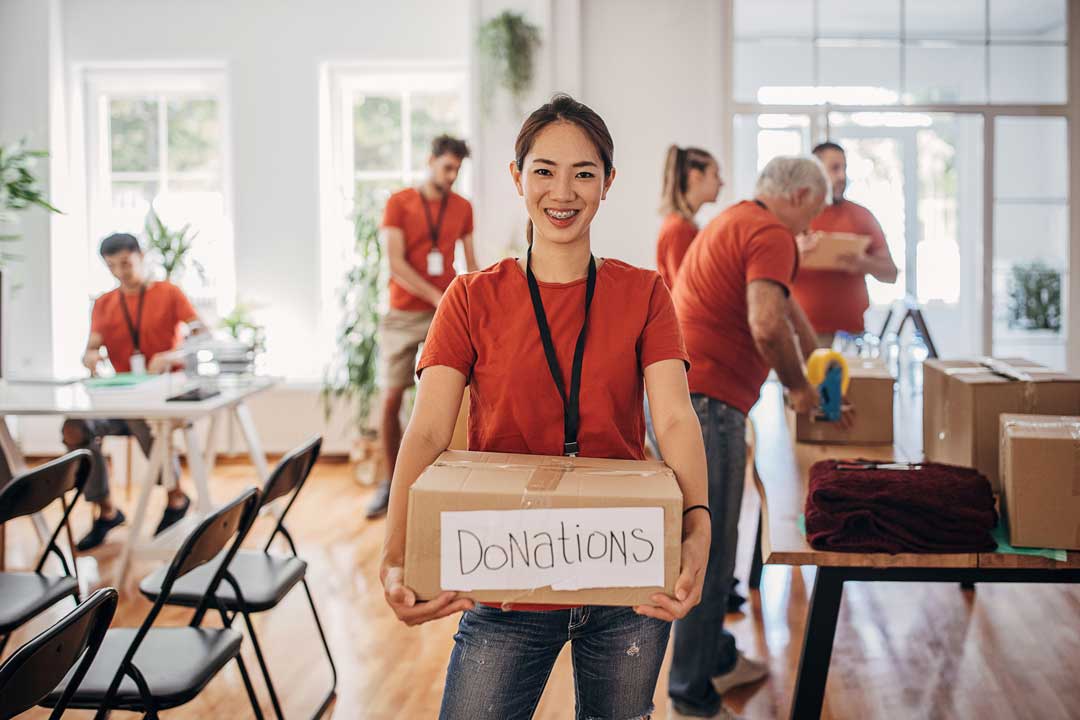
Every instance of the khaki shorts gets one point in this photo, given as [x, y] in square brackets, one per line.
[401, 332]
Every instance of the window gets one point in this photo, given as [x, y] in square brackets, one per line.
[157, 140]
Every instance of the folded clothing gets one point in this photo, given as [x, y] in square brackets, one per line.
[868, 506]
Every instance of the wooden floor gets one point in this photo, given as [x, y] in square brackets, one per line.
[902, 651]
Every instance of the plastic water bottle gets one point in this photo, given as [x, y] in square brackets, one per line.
[916, 352]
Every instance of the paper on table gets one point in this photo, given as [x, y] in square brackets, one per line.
[565, 548]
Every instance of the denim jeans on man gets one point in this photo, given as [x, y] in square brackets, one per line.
[702, 648]
[501, 662]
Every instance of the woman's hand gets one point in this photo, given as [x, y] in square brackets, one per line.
[695, 558]
[403, 601]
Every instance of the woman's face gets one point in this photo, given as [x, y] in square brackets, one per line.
[562, 181]
[706, 183]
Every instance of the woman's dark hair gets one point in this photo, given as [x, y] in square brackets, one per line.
[563, 108]
[118, 243]
[677, 166]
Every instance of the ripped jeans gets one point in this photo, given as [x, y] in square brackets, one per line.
[501, 662]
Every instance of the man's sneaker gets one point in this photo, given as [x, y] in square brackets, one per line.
[735, 601]
[746, 671]
[380, 502]
[172, 515]
[99, 530]
[722, 714]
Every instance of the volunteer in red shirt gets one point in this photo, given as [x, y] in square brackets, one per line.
[836, 300]
[691, 179]
[420, 230]
[733, 302]
[139, 325]
[608, 327]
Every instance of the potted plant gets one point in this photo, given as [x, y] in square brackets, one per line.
[240, 325]
[171, 248]
[350, 376]
[1034, 297]
[19, 191]
[507, 45]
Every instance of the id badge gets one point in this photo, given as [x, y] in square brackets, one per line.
[138, 364]
[435, 264]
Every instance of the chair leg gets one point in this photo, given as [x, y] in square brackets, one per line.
[326, 646]
[250, 689]
[262, 666]
[3, 640]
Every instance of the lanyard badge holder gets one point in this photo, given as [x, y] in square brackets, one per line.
[571, 410]
[138, 360]
[436, 265]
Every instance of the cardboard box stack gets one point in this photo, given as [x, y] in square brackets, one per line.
[1040, 477]
[871, 395]
[831, 246]
[534, 529]
[964, 399]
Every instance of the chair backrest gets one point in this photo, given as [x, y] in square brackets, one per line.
[36, 489]
[37, 667]
[289, 477]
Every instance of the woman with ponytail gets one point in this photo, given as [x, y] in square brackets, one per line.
[494, 331]
[691, 179]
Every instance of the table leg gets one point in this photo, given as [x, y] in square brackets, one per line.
[251, 437]
[754, 581]
[198, 469]
[818, 644]
[210, 452]
[159, 463]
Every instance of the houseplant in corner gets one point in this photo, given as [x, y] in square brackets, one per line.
[171, 248]
[19, 190]
[350, 376]
[507, 44]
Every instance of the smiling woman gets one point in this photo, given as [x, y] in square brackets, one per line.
[555, 347]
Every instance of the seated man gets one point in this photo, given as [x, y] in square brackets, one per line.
[140, 319]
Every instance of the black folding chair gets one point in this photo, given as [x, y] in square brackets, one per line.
[27, 594]
[264, 577]
[149, 669]
[37, 667]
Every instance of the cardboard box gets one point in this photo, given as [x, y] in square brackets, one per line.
[963, 400]
[1040, 475]
[535, 529]
[831, 246]
[871, 395]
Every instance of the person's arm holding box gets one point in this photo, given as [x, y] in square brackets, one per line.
[679, 435]
[876, 261]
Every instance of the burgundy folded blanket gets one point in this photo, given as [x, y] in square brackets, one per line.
[854, 506]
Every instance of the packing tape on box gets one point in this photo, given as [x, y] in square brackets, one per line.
[1028, 376]
[1064, 422]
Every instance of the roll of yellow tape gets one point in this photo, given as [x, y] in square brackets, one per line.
[818, 364]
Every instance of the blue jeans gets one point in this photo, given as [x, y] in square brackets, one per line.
[501, 662]
[703, 649]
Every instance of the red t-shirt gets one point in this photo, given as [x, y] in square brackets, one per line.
[486, 329]
[676, 234]
[744, 243]
[405, 211]
[834, 299]
[165, 307]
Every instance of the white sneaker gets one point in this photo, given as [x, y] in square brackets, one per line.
[746, 671]
[722, 714]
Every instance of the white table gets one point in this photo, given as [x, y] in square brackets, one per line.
[148, 403]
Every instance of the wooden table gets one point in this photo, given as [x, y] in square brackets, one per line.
[74, 400]
[781, 472]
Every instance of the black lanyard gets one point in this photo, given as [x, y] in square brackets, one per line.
[434, 228]
[571, 413]
[135, 328]
[760, 204]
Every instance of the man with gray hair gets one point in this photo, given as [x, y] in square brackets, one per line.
[738, 320]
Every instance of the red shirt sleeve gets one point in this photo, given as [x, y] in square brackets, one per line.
[394, 214]
[448, 340]
[468, 219]
[661, 339]
[771, 254]
[182, 307]
[877, 235]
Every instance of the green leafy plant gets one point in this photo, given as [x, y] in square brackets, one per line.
[171, 248]
[240, 325]
[1034, 297]
[19, 189]
[351, 374]
[507, 44]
